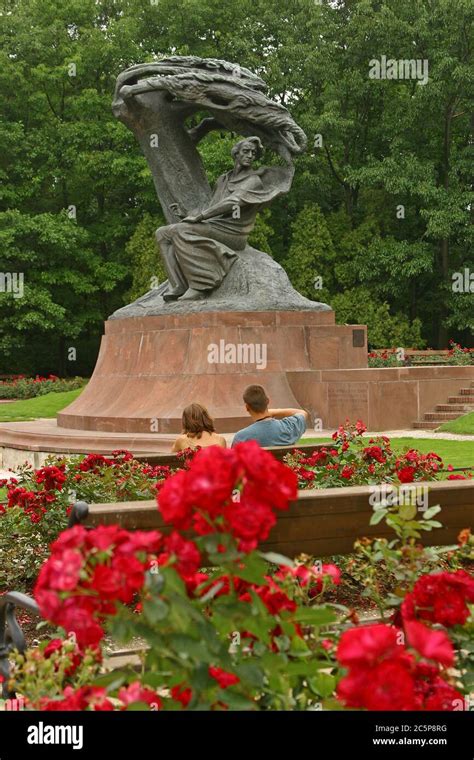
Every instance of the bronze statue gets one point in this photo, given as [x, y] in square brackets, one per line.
[199, 251]
[209, 263]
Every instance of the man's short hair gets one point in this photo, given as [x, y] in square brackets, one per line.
[256, 398]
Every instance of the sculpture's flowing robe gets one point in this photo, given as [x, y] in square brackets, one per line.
[202, 253]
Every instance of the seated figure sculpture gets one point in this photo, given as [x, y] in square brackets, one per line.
[199, 250]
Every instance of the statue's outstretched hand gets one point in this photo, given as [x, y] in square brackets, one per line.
[193, 219]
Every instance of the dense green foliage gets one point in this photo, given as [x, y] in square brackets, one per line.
[77, 205]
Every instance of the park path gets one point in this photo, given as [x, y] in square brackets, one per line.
[411, 433]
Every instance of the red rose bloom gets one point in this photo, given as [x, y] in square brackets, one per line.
[181, 693]
[440, 598]
[186, 552]
[444, 697]
[211, 479]
[135, 692]
[173, 501]
[406, 474]
[434, 645]
[107, 581]
[327, 571]
[367, 645]
[64, 570]
[275, 483]
[86, 697]
[250, 519]
[389, 687]
[223, 678]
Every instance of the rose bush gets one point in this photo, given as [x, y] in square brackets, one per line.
[354, 460]
[20, 387]
[253, 632]
[456, 355]
[37, 503]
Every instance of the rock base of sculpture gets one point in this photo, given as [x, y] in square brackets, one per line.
[150, 368]
[255, 282]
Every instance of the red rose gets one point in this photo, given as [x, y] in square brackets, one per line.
[56, 645]
[107, 581]
[249, 519]
[434, 645]
[374, 452]
[211, 478]
[105, 536]
[440, 598]
[64, 570]
[444, 697]
[140, 540]
[450, 610]
[186, 552]
[181, 693]
[133, 575]
[406, 474]
[48, 601]
[173, 500]
[135, 692]
[274, 599]
[76, 617]
[367, 645]
[390, 686]
[327, 571]
[80, 699]
[347, 472]
[276, 483]
[223, 678]
[93, 463]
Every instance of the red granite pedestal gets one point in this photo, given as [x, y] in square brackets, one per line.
[150, 368]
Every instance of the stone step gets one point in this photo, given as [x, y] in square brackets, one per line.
[124, 658]
[466, 391]
[425, 425]
[469, 400]
[461, 408]
[441, 416]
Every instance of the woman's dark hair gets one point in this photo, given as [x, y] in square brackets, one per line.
[196, 419]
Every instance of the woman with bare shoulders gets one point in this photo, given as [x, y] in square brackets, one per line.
[198, 430]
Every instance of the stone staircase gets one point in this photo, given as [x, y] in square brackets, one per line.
[456, 406]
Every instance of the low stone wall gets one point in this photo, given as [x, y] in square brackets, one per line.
[320, 522]
[389, 398]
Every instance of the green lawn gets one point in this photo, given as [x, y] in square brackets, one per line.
[457, 453]
[463, 425]
[40, 406]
